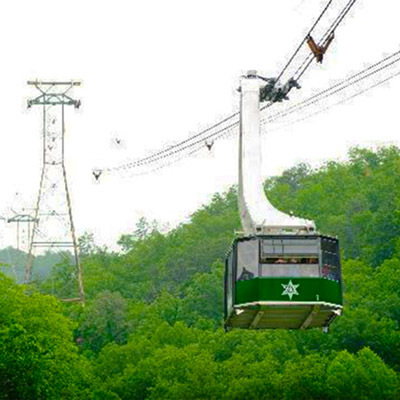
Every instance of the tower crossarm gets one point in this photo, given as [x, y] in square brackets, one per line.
[54, 93]
[53, 99]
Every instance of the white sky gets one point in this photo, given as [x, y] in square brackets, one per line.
[155, 72]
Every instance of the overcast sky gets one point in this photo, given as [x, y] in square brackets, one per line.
[155, 72]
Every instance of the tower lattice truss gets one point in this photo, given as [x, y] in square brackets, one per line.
[54, 228]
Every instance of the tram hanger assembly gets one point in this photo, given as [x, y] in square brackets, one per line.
[280, 273]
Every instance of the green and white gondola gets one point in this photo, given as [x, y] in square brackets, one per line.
[281, 273]
[283, 281]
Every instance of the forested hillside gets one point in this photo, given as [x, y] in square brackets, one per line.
[152, 324]
[13, 262]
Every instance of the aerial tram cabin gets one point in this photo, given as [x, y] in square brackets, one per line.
[283, 281]
[280, 272]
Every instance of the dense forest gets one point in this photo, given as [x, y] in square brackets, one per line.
[151, 327]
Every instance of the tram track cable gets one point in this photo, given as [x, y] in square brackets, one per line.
[168, 163]
[184, 143]
[354, 95]
[323, 94]
[304, 39]
[147, 159]
[142, 162]
[264, 122]
[336, 88]
[309, 59]
[189, 149]
[352, 80]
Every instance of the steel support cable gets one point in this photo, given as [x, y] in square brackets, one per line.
[328, 92]
[359, 93]
[308, 60]
[179, 157]
[157, 154]
[169, 163]
[297, 107]
[345, 11]
[223, 133]
[213, 135]
[339, 87]
[331, 29]
[147, 159]
[351, 80]
[304, 40]
[176, 160]
[265, 122]
[171, 149]
[142, 162]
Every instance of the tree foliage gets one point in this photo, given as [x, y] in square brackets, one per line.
[38, 359]
[152, 324]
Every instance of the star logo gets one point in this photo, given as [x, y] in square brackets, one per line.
[290, 289]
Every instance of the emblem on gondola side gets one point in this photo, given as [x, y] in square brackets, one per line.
[290, 289]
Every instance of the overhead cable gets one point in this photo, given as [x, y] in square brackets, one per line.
[346, 99]
[304, 40]
[183, 145]
[309, 59]
[323, 94]
[352, 80]
[196, 146]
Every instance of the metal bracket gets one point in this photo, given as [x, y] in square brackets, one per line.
[274, 93]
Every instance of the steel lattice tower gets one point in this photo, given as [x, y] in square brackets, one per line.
[53, 227]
